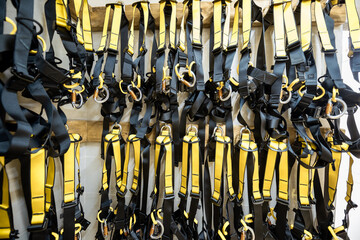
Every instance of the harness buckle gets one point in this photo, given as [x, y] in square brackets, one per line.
[195, 195]
[69, 204]
[136, 191]
[182, 195]
[169, 196]
[257, 201]
[282, 201]
[294, 45]
[39, 227]
[121, 193]
[216, 202]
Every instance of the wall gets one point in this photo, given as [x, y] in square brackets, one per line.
[91, 163]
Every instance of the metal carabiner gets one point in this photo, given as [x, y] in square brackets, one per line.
[74, 95]
[223, 99]
[329, 109]
[100, 91]
[156, 230]
[180, 75]
[133, 94]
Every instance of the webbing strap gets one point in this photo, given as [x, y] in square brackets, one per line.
[246, 19]
[322, 28]
[290, 24]
[235, 28]
[115, 27]
[86, 26]
[164, 140]
[194, 141]
[354, 23]
[196, 20]
[304, 178]
[50, 177]
[305, 21]
[135, 142]
[276, 147]
[182, 36]
[222, 143]
[279, 29]
[5, 222]
[104, 34]
[248, 146]
[217, 25]
[37, 185]
[113, 139]
[70, 157]
[61, 14]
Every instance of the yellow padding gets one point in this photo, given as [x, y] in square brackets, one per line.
[61, 14]
[321, 26]
[274, 148]
[304, 178]
[105, 29]
[49, 182]
[86, 27]
[182, 37]
[162, 26]
[5, 228]
[217, 24]
[279, 30]
[246, 18]
[354, 25]
[305, 21]
[235, 29]
[137, 150]
[115, 27]
[196, 9]
[37, 183]
[290, 24]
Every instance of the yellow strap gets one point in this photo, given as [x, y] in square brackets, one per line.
[196, 12]
[219, 158]
[195, 165]
[169, 189]
[279, 30]
[145, 8]
[158, 146]
[61, 14]
[182, 37]
[162, 26]
[246, 19]
[243, 155]
[305, 21]
[49, 183]
[256, 178]
[229, 167]
[137, 150]
[226, 31]
[290, 24]
[5, 228]
[350, 180]
[173, 25]
[321, 26]
[105, 29]
[184, 166]
[283, 191]
[69, 172]
[86, 27]
[334, 168]
[217, 24]
[354, 25]
[37, 186]
[125, 170]
[235, 29]
[274, 147]
[304, 179]
[112, 137]
[131, 34]
[115, 27]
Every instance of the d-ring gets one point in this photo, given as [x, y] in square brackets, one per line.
[245, 128]
[117, 125]
[282, 94]
[329, 109]
[96, 94]
[216, 128]
[223, 99]
[192, 127]
[166, 127]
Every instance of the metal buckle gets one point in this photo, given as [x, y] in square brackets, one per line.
[216, 202]
[195, 195]
[39, 227]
